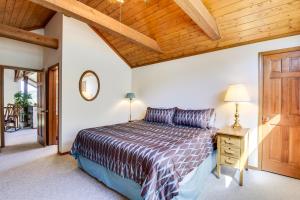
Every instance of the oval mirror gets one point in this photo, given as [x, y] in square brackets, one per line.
[89, 85]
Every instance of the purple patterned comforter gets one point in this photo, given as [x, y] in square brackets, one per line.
[155, 156]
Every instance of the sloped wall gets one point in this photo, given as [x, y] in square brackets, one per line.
[82, 50]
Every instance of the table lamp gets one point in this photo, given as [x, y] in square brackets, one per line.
[237, 94]
[130, 96]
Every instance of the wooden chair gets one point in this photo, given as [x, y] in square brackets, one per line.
[11, 117]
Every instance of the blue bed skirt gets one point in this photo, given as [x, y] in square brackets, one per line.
[189, 188]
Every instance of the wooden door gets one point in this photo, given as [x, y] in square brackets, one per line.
[281, 114]
[52, 105]
[41, 113]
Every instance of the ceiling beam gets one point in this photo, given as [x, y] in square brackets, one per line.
[95, 18]
[201, 16]
[17, 75]
[26, 36]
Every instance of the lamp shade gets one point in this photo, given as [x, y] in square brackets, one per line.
[130, 95]
[237, 93]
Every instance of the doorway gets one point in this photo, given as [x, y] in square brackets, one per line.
[280, 112]
[45, 106]
[19, 106]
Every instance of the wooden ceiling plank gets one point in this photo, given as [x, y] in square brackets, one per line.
[34, 16]
[201, 16]
[175, 32]
[160, 19]
[2, 10]
[261, 23]
[256, 8]
[141, 19]
[8, 11]
[27, 15]
[137, 16]
[97, 19]
[185, 40]
[94, 4]
[213, 5]
[272, 12]
[131, 14]
[26, 36]
[22, 13]
[38, 17]
[246, 39]
[18, 7]
[281, 28]
[236, 6]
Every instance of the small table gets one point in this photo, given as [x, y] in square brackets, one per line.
[233, 149]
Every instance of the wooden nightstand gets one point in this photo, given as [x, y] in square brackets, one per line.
[233, 150]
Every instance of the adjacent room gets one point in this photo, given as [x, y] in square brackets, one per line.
[150, 99]
[20, 107]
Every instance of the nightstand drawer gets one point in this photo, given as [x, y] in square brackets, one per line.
[230, 141]
[229, 161]
[229, 151]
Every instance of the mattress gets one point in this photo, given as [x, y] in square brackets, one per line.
[155, 156]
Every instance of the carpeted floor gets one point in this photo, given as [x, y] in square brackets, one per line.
[23, 136]
[32, 172]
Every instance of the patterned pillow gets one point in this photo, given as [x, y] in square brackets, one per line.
[213, 118]
[160, 115]
[193, 118]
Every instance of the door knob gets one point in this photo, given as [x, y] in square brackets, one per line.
[266, 119]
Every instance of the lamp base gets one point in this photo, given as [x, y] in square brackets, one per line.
[236, 124]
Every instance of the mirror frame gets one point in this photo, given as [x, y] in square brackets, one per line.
[80, 84]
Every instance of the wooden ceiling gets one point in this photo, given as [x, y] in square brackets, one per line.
[239, 21]
[24, 14]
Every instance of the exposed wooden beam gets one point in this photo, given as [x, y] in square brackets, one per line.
[17, 75]
[97, 19]
[26, 36]
[21, 68]
[201, 16]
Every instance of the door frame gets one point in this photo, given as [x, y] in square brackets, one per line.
[261, 93]
[47, 102]
[2, 68]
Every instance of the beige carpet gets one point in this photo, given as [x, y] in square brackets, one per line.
[23, 136]
[32, 172]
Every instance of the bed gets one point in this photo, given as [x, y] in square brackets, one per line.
[146, 160]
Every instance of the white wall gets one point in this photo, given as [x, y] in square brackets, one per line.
[82, 49]
[21, 54]
[54, 56]
[10, 86]
[53, 29]
[201, 82]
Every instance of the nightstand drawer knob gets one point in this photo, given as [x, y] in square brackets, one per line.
[228, 141]
[229, 152]
[229, 161]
